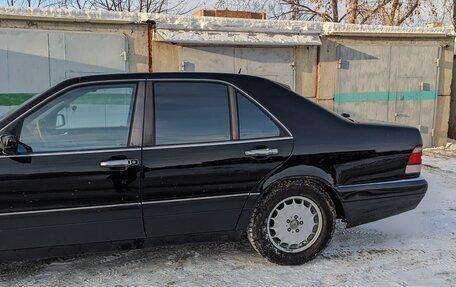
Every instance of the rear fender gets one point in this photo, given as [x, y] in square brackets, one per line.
[300, 171]
[295, 172]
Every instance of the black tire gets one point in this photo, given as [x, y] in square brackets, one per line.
[258, 234]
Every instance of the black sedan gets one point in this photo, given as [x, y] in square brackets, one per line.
[176, 156]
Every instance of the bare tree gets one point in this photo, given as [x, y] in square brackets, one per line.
[26, 3]
[399, 11]
[449, 12]
[148, 6]
[153, 6]
[386, 12]
[11, 3]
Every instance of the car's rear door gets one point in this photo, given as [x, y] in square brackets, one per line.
[76, 177]
[201, 157]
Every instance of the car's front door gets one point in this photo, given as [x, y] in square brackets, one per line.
[76, 175]
[206, 147]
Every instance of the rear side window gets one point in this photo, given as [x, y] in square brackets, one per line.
[191, 112]
[253, 122]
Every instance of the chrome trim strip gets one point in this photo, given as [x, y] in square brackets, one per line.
[215, 143]
[72, 152]
[231, 85]
[195, 198]
[123, 205]
[70, 209]
[382, 182]
[146, 148]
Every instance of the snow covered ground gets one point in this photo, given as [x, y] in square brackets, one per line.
[417, 248]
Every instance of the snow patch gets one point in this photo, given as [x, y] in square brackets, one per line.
[71, 14]
[236, 38]
[191, 23]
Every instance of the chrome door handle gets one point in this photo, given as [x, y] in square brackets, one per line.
[119, 163]
[262, 152]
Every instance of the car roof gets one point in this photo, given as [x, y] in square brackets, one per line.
[159, 75]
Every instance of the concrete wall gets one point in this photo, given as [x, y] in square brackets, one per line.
[137, 35]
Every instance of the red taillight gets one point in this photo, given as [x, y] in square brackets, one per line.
[414, 162]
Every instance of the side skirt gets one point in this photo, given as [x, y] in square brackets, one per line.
[66, 251]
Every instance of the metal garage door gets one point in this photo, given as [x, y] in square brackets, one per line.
[396, 84]
[272, 63]
[33, 60]
[363, 81]
[414, 87]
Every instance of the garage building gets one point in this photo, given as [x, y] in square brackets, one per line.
[375, 73]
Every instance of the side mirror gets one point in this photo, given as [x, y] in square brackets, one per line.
[8, 144]
[60, 121]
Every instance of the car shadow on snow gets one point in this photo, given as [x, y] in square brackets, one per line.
[346, 242]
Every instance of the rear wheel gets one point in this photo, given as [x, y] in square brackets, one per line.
[292, 223]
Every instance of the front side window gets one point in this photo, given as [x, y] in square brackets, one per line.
[253, 122]
[191, 112]
[84, 118]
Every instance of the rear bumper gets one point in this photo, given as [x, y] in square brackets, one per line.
[369, 202]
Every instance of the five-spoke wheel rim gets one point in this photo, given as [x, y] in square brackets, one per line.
[294, 224]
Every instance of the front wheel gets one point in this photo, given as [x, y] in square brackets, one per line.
[292, 223]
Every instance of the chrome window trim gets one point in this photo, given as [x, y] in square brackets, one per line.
[276, 121]
[132, 204]
[145, 148]
[137, 80]
[231, 142]
[199, 198]
[72, 152]
[415, 179]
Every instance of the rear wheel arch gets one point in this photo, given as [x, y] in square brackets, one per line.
[316, 180]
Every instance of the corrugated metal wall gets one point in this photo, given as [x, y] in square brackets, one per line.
[396, 84]
[33, 60]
